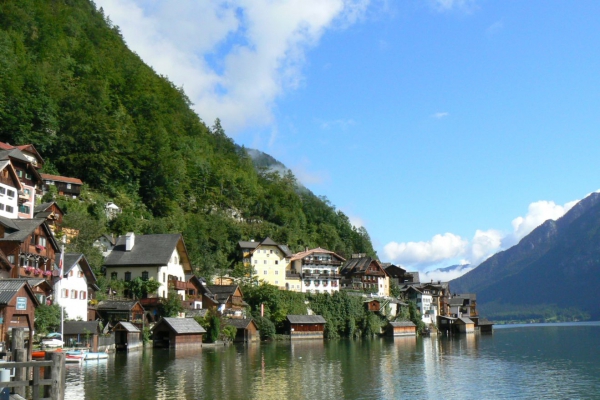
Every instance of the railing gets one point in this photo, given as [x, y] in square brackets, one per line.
[177, 285]
[292, 275]
[321, 262]
[49, 386]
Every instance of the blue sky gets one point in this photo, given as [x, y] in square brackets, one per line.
[448, 128]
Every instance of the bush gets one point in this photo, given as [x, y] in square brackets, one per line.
[266, 327]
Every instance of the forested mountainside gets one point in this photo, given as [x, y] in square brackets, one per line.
[552, 273]
[70, 86]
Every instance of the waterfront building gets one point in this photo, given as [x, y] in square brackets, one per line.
[76, 288]
[247, 330]
[177, 333]
[365, 274]
[306, 326]
[314, 271]
[402, 328]
[17, 308]
[267, 259]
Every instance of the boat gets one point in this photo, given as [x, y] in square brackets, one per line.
[42, 353]
[95, 356]
[71, 358]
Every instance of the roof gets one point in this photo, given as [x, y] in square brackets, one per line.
[302, 254]
[182, 326]
[220, 293]
[73, 259]
[485, 322]
[266, 242]
[358, 265]
[306, 319]
[10, 287]
[22, 229]
[147, 250]
[45, 206]
[81, 327]
[456, 301]
[402, 323]
[128, 326]
[196, 313]
[58, 178]
[465, 320]
[116, 305]
[239, 323]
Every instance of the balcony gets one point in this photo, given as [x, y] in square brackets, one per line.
[321, 262]
[292, 275]
[177, 285]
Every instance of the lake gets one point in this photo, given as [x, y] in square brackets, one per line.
[516, 361]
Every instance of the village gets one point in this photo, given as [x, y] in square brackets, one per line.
[35, 270]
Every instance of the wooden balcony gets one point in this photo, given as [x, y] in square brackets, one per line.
[321, 262]
[177, 285]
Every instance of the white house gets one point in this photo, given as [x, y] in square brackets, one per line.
[161, 257]
[76, 287]
[10, 186]
[314, 270]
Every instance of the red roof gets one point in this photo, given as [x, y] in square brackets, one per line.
[48, 177]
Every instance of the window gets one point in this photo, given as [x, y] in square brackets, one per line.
[145, 275]
[1, 206]
[20, 174]
[10, 193]
[80, 274]
[255, 261]
[276, 262]
[9, 209]
[27, 175]
[82, 295]
[11, 258]
[24, 209]
[71, 273]
[74, 294]
[276, 272]
[27, 192]
[265, 261]
[127, 276]
[42, 241]
[2, 191]
[65, 293]
[264, 272]
[68, 186]
[113, 275]
[164, 280]
[271, 251]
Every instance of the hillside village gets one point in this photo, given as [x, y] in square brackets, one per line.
[153, 293]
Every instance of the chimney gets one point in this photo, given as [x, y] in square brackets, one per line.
[129, 241]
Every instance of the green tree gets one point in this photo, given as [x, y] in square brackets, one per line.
[266, 328]
[172, 305]
[47, 319]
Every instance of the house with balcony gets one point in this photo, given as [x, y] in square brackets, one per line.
[76, 288]
[314, 271]
[268, 259]
[161, 257]
[228, 300]
[464, 305]
[26, 162]
[10, 188]
[29, 246]
[365, 274]
[65, 185]
[424, 301]
[52, 213]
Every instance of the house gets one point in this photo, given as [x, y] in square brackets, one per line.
[111, 210]
[65, 185]
[268, 260]
[439, 292]
[227, 299]
[82, 334]
[486, 326]
[193, 293]
[365, 274]
[464, 305]
[314, 270]
[76, 288]
[105, 244]
[160, 257]
[247, 330]
[423, 300]
[399, 275]
[177, 333]
[113, 311]
[17, 308]
[402, 328]
[306, 326]
[29, 246]
[372, 305]
[127, 336]
[10, 187]
[26, 161]
[464, 325]
[52, 213]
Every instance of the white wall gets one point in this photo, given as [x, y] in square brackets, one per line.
[8, 201]
[75, 282]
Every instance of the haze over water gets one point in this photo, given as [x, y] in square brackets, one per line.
[520, 361]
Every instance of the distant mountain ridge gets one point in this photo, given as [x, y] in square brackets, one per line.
[556, 268]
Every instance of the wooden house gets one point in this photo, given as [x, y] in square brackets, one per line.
[82, 334]
[247, 330]
[52, 213]
[177, 333]
[464, 325]
[306, 326]
[26, 161]
[17, 308]
[127, 336]
[365, 274]
[66, 186]
[372, 305]
[402, 328]
[113, 311]
[486, 326]
[227, 299]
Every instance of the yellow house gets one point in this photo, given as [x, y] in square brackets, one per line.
[268, 259]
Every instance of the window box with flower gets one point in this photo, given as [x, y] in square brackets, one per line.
[37, 271]
[47, 273]
[39, 247]
[29, 270]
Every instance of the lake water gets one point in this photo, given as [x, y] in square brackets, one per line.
[540, 361]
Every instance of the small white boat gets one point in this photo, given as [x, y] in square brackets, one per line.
[72, 359]
[95, 356]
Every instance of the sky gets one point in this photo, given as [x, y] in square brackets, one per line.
[449, 129]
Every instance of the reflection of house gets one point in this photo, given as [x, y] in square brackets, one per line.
[77, 286]
[177, 333]
[113, 311]
[268, 260]
[65, 185]
[315, 270]
[52, 213]
[227, 299]
[402, 328]
[365, 274]
[127, 336]
[29, 246]
[247, 331]
[17, 308]
[163, 258]
[82, 334]
[306, 326]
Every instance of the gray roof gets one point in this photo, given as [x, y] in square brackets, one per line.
[182, 326]
[306, 319]
[147, 250]
[116, 305]
[485, 322]
[466, 320]
[267, 242]
[196, 313]
[402, 323]
[13, 153]
[81, 327]
[456, 301]
[238, 323]
[23, 228]
[9, 288]
[72, 259]
[42, 207]
[128, 326]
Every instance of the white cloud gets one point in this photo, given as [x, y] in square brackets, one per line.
[448, 249]
[443, 276]
[448, 5]
[233, 58]
[440, 115]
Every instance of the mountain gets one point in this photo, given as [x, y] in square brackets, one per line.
[553, 272]
[94, 110]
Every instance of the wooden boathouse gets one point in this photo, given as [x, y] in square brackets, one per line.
[402, 328]
[247, 330]
[177, 333]
[127, 336]
[306, 326]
